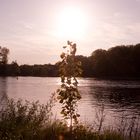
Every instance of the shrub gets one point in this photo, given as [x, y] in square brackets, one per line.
[24, 120]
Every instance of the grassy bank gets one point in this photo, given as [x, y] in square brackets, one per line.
[32, 121]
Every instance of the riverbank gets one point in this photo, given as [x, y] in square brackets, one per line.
[24, 120]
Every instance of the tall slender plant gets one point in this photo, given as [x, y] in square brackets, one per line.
[68, 94]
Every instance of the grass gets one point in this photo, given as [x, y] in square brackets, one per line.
[32, 121]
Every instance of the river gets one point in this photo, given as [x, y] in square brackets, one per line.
[117, 98]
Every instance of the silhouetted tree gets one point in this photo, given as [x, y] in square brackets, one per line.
[99, 63]
[13, 69]
[68, 94]
[3, 60]
[119, 61]
[4, 55]
[85, 65]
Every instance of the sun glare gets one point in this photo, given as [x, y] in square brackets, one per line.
[71, 23]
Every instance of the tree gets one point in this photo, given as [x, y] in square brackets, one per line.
[85, 65]
[4, 55]
[99, 62]
[3, 60]
[68, 94]
[13, 69]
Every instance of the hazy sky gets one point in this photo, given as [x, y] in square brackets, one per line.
[36, 30]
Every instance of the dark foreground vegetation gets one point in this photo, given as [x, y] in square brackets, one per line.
[32, 121]
[119, 61]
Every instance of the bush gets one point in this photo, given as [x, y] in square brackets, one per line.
[24, 120]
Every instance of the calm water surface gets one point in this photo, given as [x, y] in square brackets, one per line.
[118, 97]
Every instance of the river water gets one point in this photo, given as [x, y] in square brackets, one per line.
[116, 98]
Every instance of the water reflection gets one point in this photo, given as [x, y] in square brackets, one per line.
[3, 91]
[118, 97]
[116, 94]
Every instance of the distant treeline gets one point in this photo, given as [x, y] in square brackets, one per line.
[14, 69]
[119, 61]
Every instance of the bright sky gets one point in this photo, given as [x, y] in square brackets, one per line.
[36, 30]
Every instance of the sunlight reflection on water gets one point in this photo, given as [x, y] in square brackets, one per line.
[118, 97]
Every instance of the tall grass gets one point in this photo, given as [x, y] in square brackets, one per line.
[23, 120]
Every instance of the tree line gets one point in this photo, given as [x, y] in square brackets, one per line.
[119, 61]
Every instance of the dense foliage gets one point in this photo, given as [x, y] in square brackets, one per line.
[119, 61]
[24, 120]
[14, 69]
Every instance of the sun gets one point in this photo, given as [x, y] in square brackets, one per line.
[71, 23]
